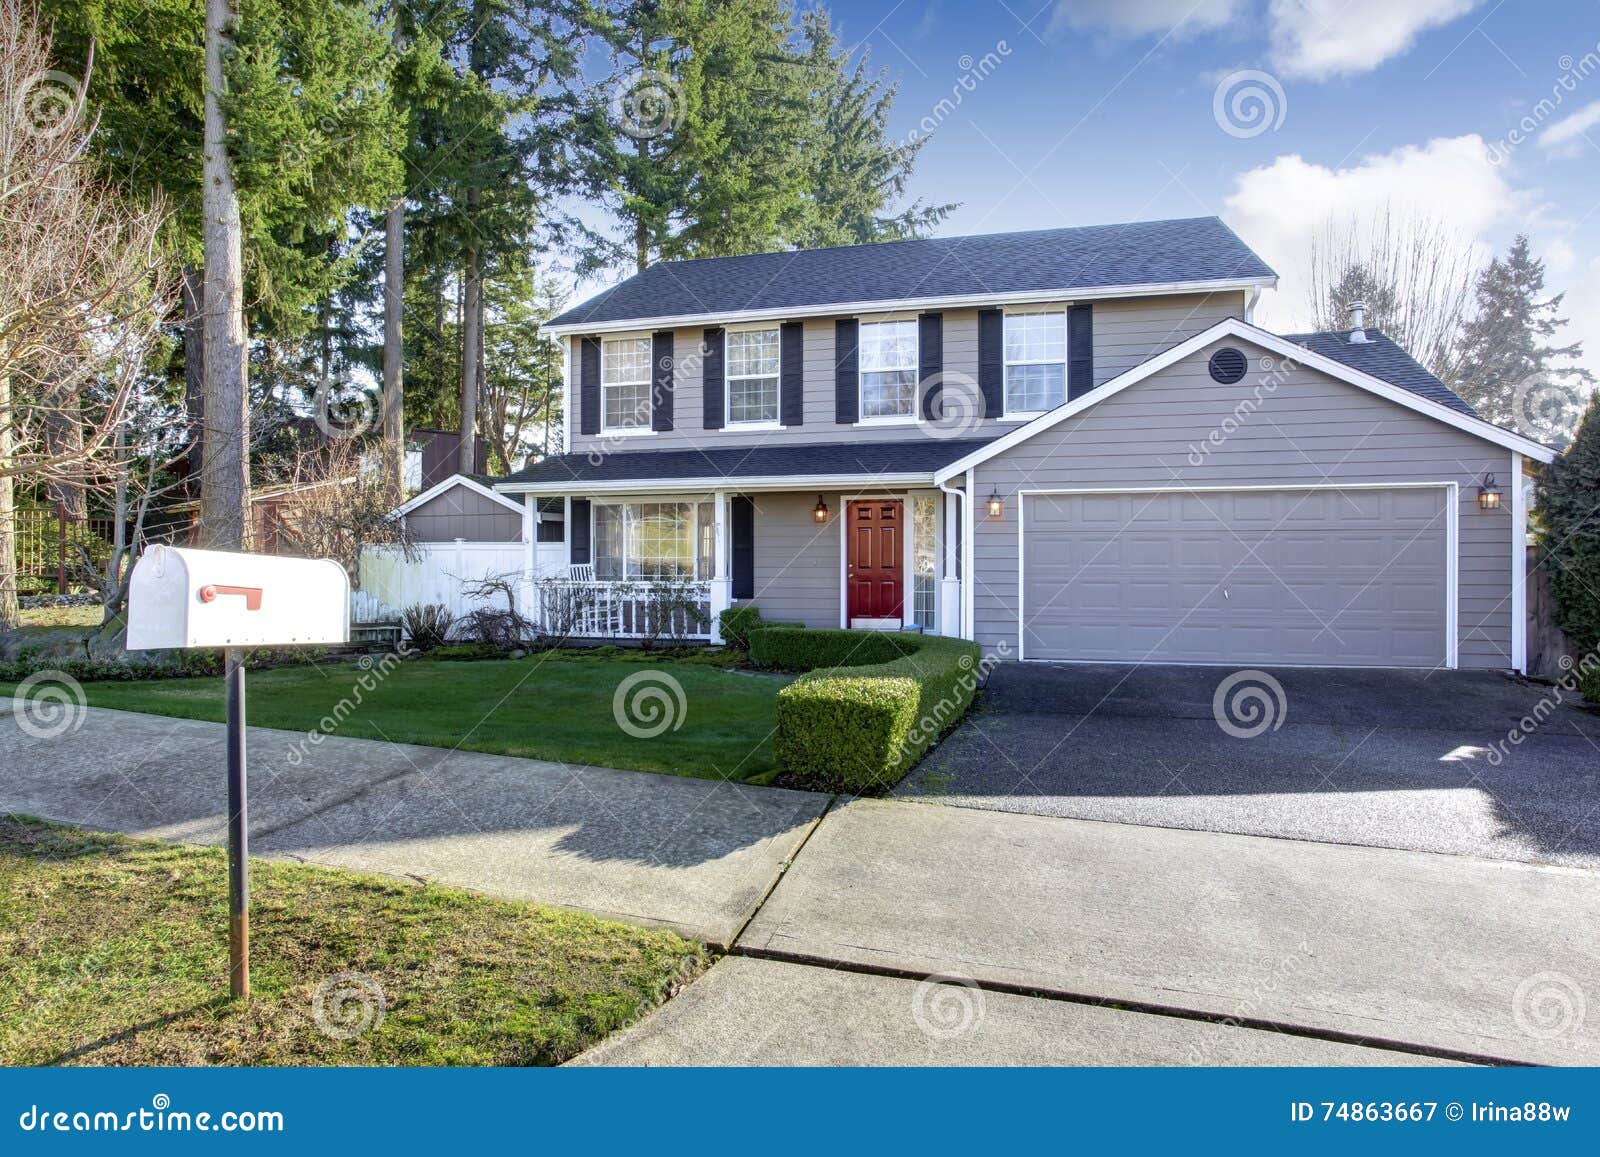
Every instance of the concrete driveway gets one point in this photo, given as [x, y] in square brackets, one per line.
[1439, 762]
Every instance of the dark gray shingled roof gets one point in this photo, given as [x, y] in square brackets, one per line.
[770, 460]
[1383, 359]
[1141, 253]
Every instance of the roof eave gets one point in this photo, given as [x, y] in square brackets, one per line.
[863, 481]
[956, 301]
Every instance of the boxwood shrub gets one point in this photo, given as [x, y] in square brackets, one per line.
[868, 704]
[735, 624]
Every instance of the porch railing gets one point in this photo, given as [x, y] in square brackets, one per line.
[597, 609]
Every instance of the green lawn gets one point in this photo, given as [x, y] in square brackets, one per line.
[114, 951]
[544, 707]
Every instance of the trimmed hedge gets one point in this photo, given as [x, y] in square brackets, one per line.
[179, 665]
[1589, 683]
[736, 623]
[860, 727]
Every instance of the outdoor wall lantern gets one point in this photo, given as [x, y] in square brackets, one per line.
[1489, 494]
[820, 512]
[997, 505]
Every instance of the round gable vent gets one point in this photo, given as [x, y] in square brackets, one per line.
[1227, 365]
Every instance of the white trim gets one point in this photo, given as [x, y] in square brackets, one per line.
[1519, 568]
[969, 578]
[751, 427]
[911, 304]
[842, 516]
[444, 484]
[1233, 327]
[1452, 561]
[708, 485]
[648, 382]
[567, 348]
[885, 420]
[908, 574]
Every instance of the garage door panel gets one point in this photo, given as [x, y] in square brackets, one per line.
[1314, 577]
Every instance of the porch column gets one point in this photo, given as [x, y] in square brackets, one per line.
[721, 579]
[530, 548]
[949, 570]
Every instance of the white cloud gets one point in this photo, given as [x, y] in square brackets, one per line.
[1565, 138]
[1279, 209]
[1314, 39]
[1146, 17]
[1317, 39]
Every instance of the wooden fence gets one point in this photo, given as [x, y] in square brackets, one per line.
[1546, 643]
[48, 558]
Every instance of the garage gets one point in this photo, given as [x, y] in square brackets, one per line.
[1313, 575]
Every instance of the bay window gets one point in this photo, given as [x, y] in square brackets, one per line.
[752, 375]
[625, 383]
[888, 353]
[1036, 361]
[654, 540]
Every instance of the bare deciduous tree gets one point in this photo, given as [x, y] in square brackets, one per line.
[339, 505]
[83, 286]
[1415, 273]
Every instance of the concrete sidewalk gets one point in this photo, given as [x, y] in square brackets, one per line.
[764, 1012]
[1479, 958]
[692, 855]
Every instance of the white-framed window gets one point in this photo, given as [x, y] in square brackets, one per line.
[752, 376]
[654, 540]
[888, 367]
[625, 383]
[924, 558]
[1036, 361]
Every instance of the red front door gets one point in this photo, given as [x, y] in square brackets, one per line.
[873, 563]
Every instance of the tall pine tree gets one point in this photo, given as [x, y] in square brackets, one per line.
[1508, 372]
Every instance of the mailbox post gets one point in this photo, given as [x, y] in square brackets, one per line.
[212, 598]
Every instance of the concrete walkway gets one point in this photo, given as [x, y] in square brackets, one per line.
[692, 855]
[896, 920]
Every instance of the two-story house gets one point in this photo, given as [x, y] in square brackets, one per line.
[1070, 444]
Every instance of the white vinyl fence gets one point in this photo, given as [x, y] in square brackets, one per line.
[390, 582]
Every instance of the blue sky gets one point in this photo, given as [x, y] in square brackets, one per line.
[1088, 111]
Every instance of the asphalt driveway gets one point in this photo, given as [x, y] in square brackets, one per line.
[1443, 762]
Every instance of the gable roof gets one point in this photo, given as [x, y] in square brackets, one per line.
[1284, 348]
[1383, 359]
[775, 465]
[444, 484]
[1193, 253]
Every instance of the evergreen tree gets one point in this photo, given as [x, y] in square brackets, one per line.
[1569, 532]
[1508, 372]
[854, 168]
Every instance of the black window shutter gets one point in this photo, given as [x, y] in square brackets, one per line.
[1080, 350]
[991, 361]
[742, 555]
[589, 386]
[930, 363]
[712, 387]
[792, 373]
[580, 532]
[661, 392]
[846, 383]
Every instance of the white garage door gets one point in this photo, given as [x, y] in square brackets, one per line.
[1319, 577]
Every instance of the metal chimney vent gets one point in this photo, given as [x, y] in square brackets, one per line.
[1358, 313]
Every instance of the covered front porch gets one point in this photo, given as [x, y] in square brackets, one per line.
[654, 563]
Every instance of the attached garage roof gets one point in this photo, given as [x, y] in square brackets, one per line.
[773, 462]
[1188, 252]
[1383, 359]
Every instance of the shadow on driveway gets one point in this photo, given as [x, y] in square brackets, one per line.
[1383, 758]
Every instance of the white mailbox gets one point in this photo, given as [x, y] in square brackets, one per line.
[217, 598]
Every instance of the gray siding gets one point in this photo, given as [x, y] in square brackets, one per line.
[1309, 430]
[463, 513]
[1126, 333]
[797, 561]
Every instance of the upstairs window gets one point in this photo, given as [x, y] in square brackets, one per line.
[888, 353]
[625, 383]
[752, 373]
[1036, 361]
